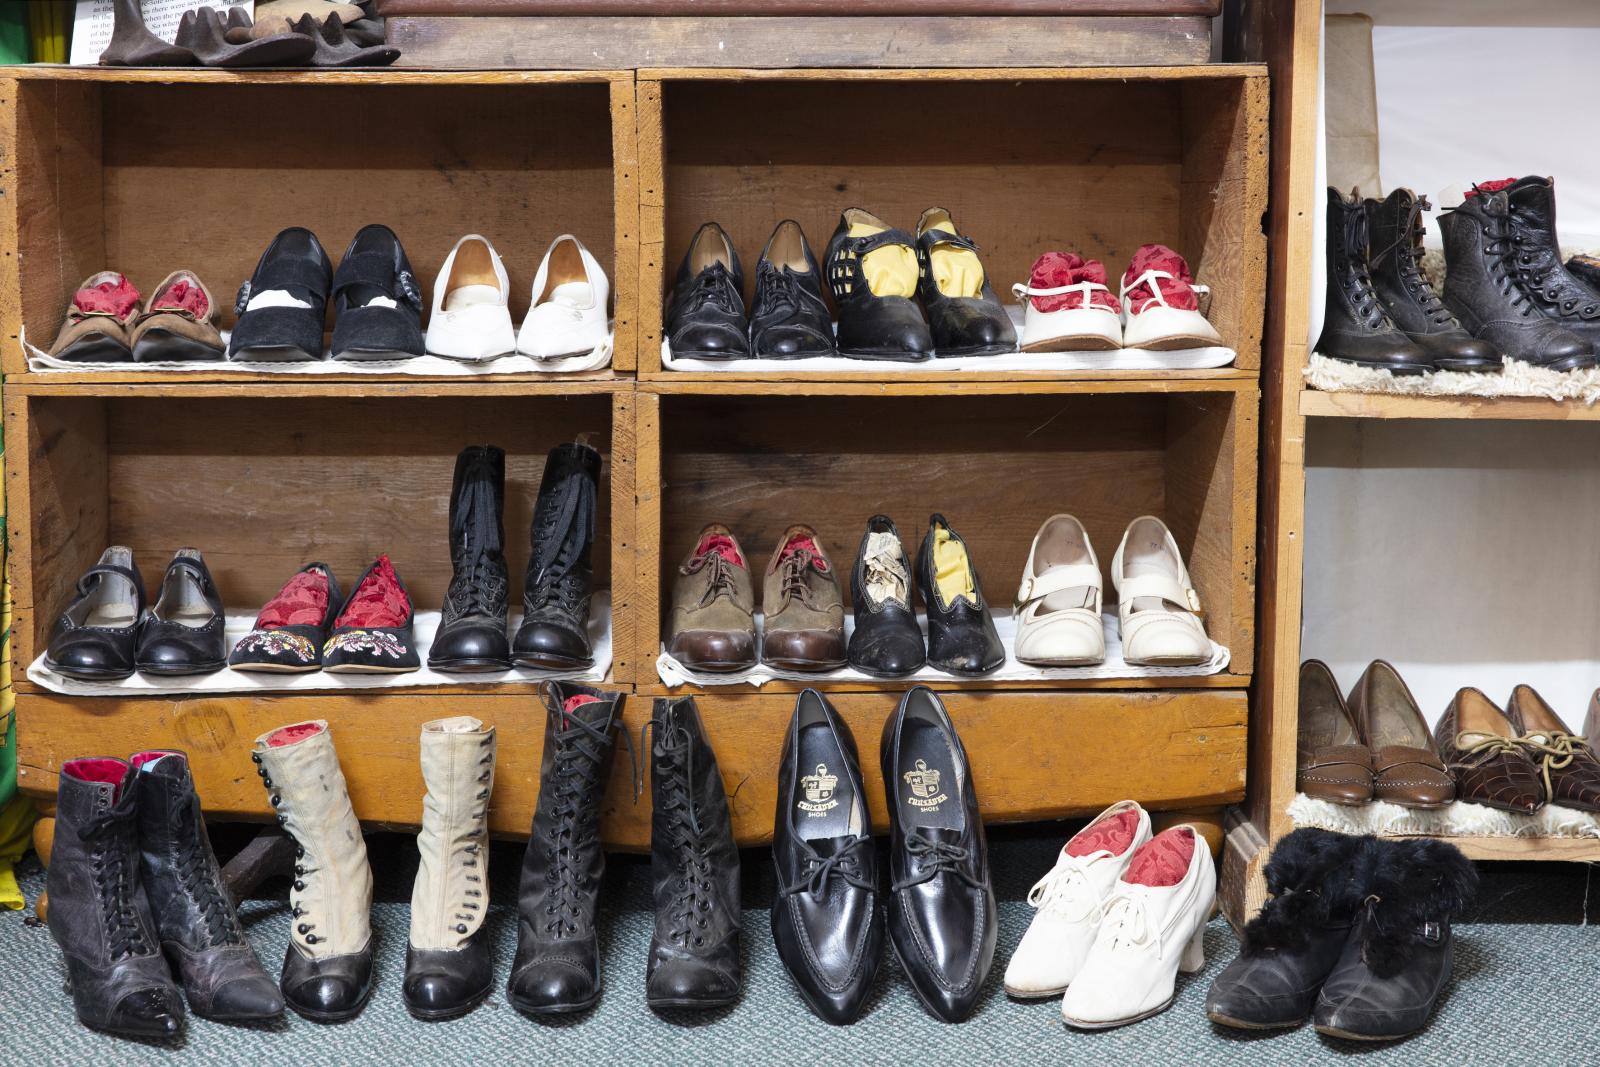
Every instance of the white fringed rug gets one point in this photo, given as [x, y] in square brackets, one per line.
[1518, 379]
[1461, 819]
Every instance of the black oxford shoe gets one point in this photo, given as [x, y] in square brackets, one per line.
[705, 310]
[789, 318]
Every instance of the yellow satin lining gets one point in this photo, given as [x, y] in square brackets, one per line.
[950, 569]
[956, 271]
[890, 270]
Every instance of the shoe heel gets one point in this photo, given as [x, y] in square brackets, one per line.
[1193, 959]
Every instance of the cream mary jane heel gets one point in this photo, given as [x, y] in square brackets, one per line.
[1156, 605]
[1058, 603]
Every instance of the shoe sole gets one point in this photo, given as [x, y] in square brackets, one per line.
[984, 673]
[1032, 994]
[550, 664]
[1569, 364]
[332, 1016]
[284, 354]
[535, 1011]
[895, 356]
[1393, 368]
[87, 676]
[1079, 662]
[427, 1016]
[181, 672]
[274, 668]
[1470, 368]
[475, 359]
[468, 666]
[872, 673]
[1240, 1024]
[99, 351]
[373, 355]
[1167, 661]
[1346, 1035]
[1076, 1025]
[715, 357]
[352, 668]
[718, 667]
[682, 1004]
[1089, 343]
[1176, 344]
[161, 347]
[987, 350]
[805, 666]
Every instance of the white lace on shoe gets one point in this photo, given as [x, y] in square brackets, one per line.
[1127, 924]
[1067, 892]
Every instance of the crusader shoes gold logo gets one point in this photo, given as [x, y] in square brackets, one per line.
[818, 789]
[924, 783]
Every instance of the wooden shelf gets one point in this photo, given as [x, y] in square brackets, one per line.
[951, 684]
[930, 383]
[1316, 404]
[1567, 849]
[307, 76]
[291, 387]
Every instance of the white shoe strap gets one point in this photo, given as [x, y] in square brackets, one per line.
[1056, 579]
[1158, 585]
[1082, 289]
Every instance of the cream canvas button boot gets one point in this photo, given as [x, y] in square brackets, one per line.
[448, 969]
[327, 970]
[1069, 901]
[1154, 926]
[1058, 603]
[1157, 606]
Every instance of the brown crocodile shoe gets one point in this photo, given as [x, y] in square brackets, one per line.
[1479, 745]
[712, 624]
[1566, 761]
[1405, 768]
[1333, 763]
[801, 606]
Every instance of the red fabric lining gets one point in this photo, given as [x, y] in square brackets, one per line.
[182, 295]
[1177, 290]
[801, 542]
[96, 769]
[378, 600]
[288, 735]
[150, 757]
[118, 298]
[575, 702]
[1112, 835]
[303, 601]
[1163, 860]
[1493, 186]
[721, 544]
[1056, 269]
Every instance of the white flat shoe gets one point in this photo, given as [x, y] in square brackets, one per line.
[1083, 317]
[1157, 606]
[1154, 927]
[567, 315]
[471, 318]
[1058, 603]
[1150, 322]
[1069, 901]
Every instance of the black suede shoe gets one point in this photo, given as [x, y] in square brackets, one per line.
[883, 322]
[825, 918]
[472, 624]
[289, 631]
[942, 918]
[789, 319]
[282, 306]
[554, 634]
[377, 302]
[375, 630]
[705, 310]
[94, 638]
[964, 315]
[961, 635]
[886, 642]
[184, 633]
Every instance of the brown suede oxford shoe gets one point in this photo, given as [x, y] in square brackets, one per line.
[1333, 764]
[801, 606]
[1405, 768]
[712, 623]
[1480, 746]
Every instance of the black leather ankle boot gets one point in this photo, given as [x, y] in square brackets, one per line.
[1483, 288]
[1395, 233]
[555, 598]
[194, 915]
[694, 865]
[472, 625]
[1561, 295]
[557, 967]
[1355, 327]
[99, 914]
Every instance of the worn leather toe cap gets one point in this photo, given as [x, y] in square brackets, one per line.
[685, 981]
[548, 641]
[88, 655]
[147, 1013]
[485, 641]
[326, 994]
[804, 648]
[713, 649]
[710, 340]
[551, 985]
[251, 997]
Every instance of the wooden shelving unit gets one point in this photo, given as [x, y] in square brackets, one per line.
[1314, 404]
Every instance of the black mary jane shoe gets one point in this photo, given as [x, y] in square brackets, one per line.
[94, 638]
[276, 645]
[377, 303]
[961, 635]
[886, 641]
[789, 318]
[961, 325]
[287, 327]
[873, 326]
[705, 311]
[184, 633]
[826, 919]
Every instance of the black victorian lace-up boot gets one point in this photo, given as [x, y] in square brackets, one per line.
[472, 625]
[694, 865]
[555, 599]
[194, 915]
[1355, 328]
[557, 967]
[1562, 295]
[99, 914]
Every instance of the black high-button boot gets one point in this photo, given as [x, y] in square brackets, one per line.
[694, 865]
[98, 911]
[554, 633]
[1564, 296]
[472, 625]
[557, 967]
[1355, 327]
[194, 915]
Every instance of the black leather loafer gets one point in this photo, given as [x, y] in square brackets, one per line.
[825, 918]
[882, 324]
[886, 641]
[184, 633]
[376, 300]
[961, 634]
[962, 323]
[94, 638]
[289, 291]
[705, 311]
[941, 905]
[789, 319]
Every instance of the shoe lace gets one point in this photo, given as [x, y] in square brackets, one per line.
[819, 870]
[1499, 250]
[564, 524]
[196, 872]
[674, 770]
[1555, 752]
[714, 285]
[793, 570]
[478, 590]
[1405, 248]
[780, 289]
[937, 857]
[1127, 923]
[111, 859]
[1066, 891]
[1352, 258]
[721, 579]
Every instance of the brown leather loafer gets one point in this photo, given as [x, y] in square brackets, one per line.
[801, 606]
[1405, 768]
[712, 623]
[1567, 763]
[1333, 763]
[1480, 746]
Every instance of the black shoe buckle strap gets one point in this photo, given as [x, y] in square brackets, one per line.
[301, 278]
[377, 270]
[85, 583]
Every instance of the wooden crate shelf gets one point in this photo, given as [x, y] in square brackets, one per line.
[1315, 404]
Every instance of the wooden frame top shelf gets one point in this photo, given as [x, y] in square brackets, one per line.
[293, 387]
[309, 76]
[1314, 403]
[1154, 73]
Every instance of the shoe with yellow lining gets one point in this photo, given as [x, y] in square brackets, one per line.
[873, 274]
[964, 315]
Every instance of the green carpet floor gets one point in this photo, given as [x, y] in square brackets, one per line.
[1527, 968]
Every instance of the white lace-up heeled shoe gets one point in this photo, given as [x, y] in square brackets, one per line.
[471, 318]
[1058, 602]
[1069, 901]
[1157, 606]
[567, 316]
[1154, 927]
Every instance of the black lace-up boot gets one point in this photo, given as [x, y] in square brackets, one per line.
[1355, 327]
[555, 599]
[98, 911]
[472, 625]
[194, 914]
[1395, 227]
[557, 968]
[1483, 288]
[694, 865]
[1562, 295]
